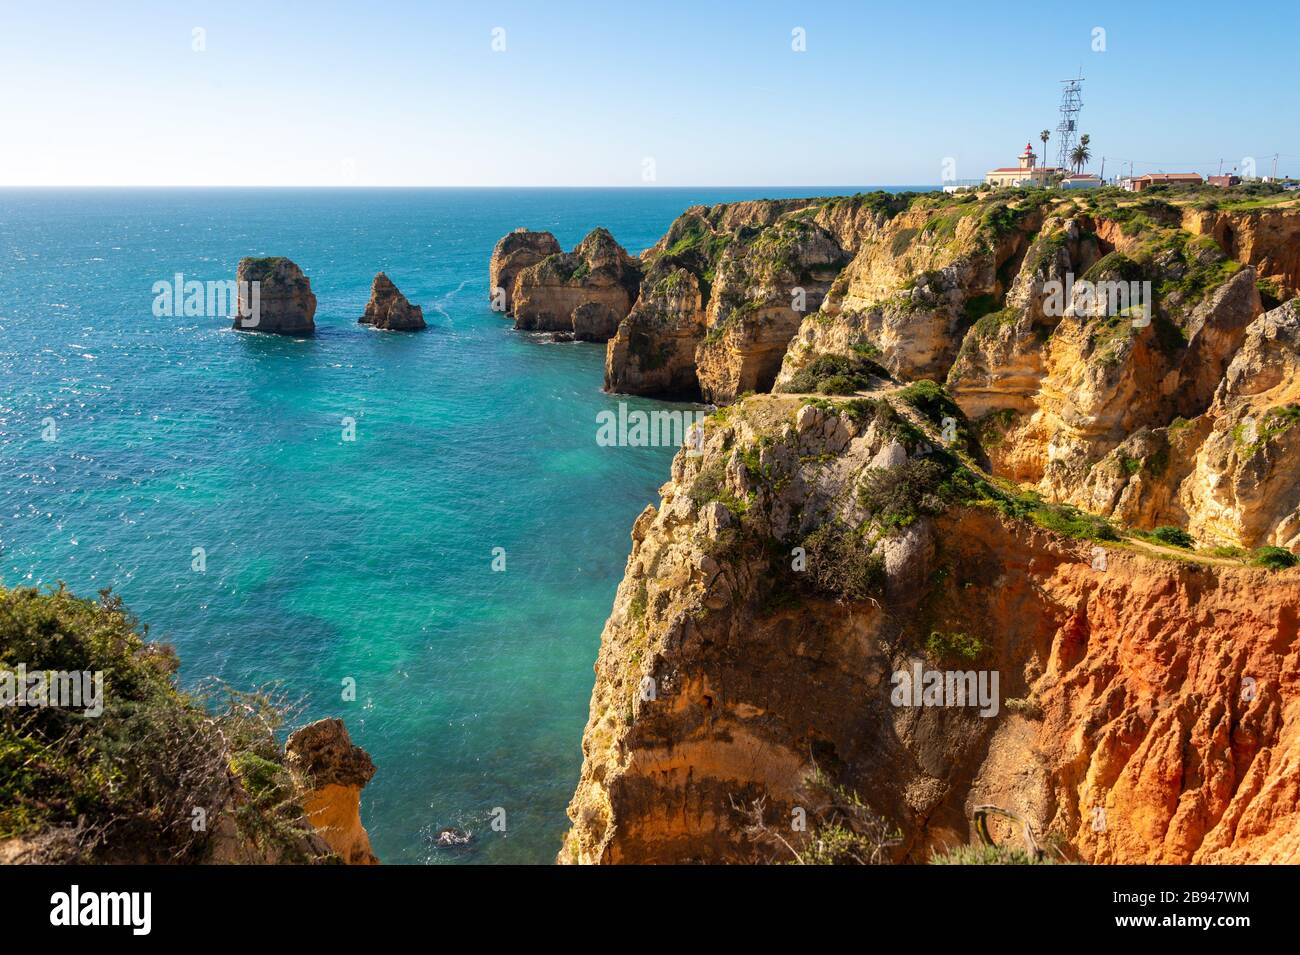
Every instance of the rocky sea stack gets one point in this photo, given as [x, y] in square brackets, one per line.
[284, 302]
[388, 309]
[514, 253]
[585, 293]
[336, 770]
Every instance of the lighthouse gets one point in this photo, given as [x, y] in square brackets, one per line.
[1027, 158]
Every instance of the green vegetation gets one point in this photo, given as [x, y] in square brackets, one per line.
[1274, 558]
[1230, 553]
[711, 485]
[887, 421]
[895, 497]
[636, 607]
[1276, 421]
[902, 241]
[835, 375]
[695, 237]
[977, 306]
[1115, 266]
[988, 855]
[841, 562]
[888, 204]
[992, 428]
[1271, 294]
[943, 647]
[129, 781]
[1072, 522]
[933, 403]
[1172, 537]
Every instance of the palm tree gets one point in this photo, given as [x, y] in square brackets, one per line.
[1081, 153]
[1045, 136]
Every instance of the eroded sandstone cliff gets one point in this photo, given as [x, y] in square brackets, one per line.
[1149, 706]
[1038, 435]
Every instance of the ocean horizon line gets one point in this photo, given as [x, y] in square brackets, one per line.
[340, 188]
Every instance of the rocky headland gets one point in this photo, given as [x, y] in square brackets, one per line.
[1038, 434]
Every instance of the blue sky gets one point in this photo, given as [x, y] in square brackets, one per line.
[412, 93]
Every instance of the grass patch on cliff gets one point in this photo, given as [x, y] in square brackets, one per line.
[711, 485]
[992, 428]
[989, 855]
[970, 488]
[126, 784]
[1253, 437]
[1166, 535]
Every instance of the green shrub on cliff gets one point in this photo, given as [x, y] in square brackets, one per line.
[835, 375]
[1274, 558]
[895, 497]
[841, 562]
[943, 647]
[131, 782]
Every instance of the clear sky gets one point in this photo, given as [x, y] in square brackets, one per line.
[400, 92]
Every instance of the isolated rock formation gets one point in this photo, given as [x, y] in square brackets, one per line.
[586, 292]
[514, 253]
[285, 303]
[389, 309]
[337, 770]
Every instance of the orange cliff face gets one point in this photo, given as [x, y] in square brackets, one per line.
[1170, 701]
[1147, 706]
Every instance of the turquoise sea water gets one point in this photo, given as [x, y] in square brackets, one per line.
[327, 559]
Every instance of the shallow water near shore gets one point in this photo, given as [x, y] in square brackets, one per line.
[329, 560]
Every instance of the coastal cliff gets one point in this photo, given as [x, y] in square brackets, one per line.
[1148, 707]
[1036, 435]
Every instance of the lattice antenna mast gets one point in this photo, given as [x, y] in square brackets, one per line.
[1067, 132]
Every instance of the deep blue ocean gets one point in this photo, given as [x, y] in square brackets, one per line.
[331, 560]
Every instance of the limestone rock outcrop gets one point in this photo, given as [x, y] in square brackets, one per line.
[388, 309]
[586, 292]
[282, 303]
[336, 771]
[512, 254]
[725, 290]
